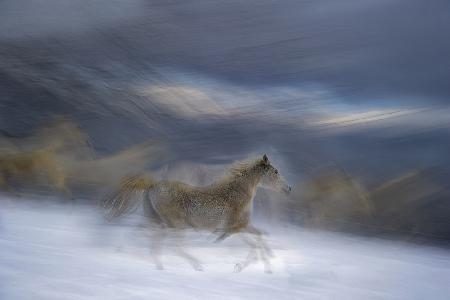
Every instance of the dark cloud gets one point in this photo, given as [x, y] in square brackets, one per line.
[363, 50]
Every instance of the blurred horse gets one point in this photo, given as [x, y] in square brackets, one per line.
[33, 167]
[106, 171]
[40, 157]
[223, 207]
[331, 198]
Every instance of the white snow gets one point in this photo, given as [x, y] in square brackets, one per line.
[50, 251]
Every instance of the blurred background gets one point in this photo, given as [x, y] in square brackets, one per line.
[349, 99]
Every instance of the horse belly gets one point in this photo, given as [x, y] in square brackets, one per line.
[206, 216]
[182, 208]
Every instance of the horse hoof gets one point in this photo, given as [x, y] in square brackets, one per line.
[238, 268]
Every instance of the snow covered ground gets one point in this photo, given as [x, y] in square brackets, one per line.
[50, 251]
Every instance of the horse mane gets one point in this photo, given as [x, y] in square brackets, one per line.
[241, 167]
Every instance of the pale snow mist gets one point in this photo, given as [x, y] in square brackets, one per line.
[52, 251]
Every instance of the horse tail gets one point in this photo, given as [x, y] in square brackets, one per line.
[128, 195]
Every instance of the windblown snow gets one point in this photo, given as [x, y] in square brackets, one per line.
[55, 251]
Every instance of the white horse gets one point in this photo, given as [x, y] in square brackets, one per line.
[223, 207]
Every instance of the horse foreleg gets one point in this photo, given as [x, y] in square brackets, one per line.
[230, 231]
[251, 257]
[224, 235]
[259, 243]
[258, 233]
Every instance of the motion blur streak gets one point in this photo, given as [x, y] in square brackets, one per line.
[349, 99]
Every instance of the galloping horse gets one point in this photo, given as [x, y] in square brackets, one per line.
[223, 207]
[42, 156]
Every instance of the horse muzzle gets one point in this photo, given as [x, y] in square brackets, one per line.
[287, 189]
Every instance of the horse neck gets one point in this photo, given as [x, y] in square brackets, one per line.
[246, 184]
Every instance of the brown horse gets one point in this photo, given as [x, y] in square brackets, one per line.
[223, 207]
[41, 156]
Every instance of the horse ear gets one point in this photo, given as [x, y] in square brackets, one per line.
[265, 159]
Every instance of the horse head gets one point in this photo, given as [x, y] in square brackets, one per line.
[270, 177]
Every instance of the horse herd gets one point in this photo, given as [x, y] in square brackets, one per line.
[61, 153]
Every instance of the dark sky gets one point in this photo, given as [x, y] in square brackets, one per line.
[364, 50]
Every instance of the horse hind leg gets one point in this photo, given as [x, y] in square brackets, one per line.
[194, 262]
[158, 229]
[158, 236]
